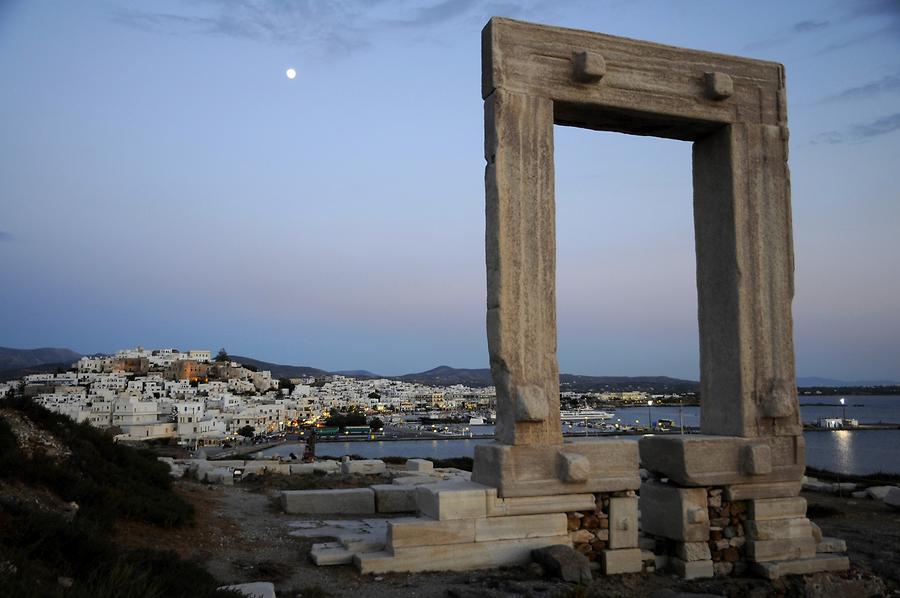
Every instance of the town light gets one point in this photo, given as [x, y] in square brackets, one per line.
[649, 414]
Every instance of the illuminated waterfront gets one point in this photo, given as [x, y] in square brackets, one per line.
[849, 452]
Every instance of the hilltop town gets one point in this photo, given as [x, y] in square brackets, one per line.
[196, 398]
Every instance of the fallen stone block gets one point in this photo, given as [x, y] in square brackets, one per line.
[394, 499]
[816, 564]
[327, 466]
[892, 498]
[520, 527]
[452, 500]
[357, 501]
[419, 465]
[220, 475]
[692, 569]
[831, 545]
[330, 553]
[878, 492]
[564, 563]
[625, 560]
[257, 589]
[453, 557]
[363, 467]
[421, 531]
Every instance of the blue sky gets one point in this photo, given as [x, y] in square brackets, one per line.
[163, 183]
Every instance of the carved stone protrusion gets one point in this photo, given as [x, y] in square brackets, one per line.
[697, 515]
[574, 467]
[756, 459]
[588, 67]
[719, 86]
[531, 404]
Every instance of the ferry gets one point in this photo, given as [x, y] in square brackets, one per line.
[583, 414]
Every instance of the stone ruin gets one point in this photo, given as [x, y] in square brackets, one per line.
[724, 501]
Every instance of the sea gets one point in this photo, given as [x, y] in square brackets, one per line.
[850, 452]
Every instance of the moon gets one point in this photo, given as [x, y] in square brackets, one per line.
[291, 73]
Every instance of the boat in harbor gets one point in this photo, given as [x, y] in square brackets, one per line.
[583, 414]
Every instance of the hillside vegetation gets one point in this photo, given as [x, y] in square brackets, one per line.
[63, 488]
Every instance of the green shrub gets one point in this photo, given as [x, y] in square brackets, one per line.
[106, 479]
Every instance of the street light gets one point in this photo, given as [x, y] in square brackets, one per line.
[649, 415]
[843, 412]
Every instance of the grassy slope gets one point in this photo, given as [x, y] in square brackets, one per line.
[110, 483]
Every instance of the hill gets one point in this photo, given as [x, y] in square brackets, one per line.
[21, 359]
[444, 375]
[812, 381]
[655, 384]
[64, 488]
[279, 370]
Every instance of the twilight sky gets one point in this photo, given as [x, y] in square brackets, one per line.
[162, 183]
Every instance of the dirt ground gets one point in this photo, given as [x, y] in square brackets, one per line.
[241, 536]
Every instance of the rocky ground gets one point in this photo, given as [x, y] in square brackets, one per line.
[242, 536]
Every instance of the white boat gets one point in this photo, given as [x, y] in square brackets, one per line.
[476, 421]
[583, 414]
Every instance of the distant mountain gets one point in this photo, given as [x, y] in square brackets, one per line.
[20, 359]
[44, 368]
[281, 371]
[813, 381]
[658, 384]
[358, 374]
[444, 375]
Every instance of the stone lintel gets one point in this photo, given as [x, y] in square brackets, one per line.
[704, 460]
[636, 86]
[519, 471]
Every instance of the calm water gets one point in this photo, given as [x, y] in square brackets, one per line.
[850, 452]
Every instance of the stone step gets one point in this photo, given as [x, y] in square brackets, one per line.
[330, 553]
[819, 563]
[826, 545]
[363, 543]
[454, 557]
[345, 501]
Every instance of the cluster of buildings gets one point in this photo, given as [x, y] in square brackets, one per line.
[199, 399]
